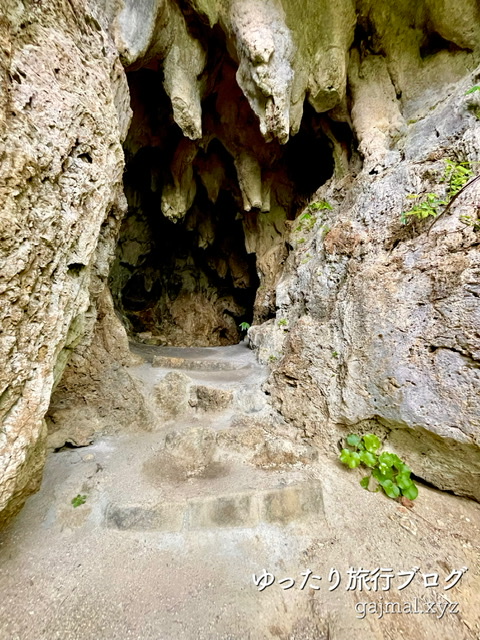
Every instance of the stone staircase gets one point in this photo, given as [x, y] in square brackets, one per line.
[216, 458]
[180, 528]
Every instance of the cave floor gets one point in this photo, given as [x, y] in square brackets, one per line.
[178, 520]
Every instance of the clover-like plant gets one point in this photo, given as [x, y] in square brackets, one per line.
[388, 471]
[244, 326]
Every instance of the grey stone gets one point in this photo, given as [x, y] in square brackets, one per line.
[236, 510]
[172, 393]
[210, 398]
[158, 517]
[292, 503]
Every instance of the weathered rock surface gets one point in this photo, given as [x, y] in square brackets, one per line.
[383, 318]
[97, 395]
[64, 113]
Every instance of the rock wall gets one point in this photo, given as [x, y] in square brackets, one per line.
[64, 112]
[377, 326]
[376, 323]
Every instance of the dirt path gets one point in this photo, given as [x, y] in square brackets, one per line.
[177, 522]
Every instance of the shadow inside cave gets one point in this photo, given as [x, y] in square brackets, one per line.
[204, 241]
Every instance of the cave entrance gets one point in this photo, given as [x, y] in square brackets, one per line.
[202, 246]
[189, 282]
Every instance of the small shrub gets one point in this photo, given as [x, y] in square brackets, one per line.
[428, 205]
[456, 175]
[388, 471]
[306, 222]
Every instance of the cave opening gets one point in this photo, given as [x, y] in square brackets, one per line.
[202, 245]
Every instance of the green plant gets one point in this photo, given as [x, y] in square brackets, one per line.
[335, 354]
[428, 205]
[306, 222]
[387, 469]
[272, 358]
[471, 222]
[244, 326]
[283, 322]
[79, 500]
[456, 176]
[472, 89]
[319, 206]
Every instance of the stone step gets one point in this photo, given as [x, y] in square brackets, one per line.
[245, 509]
[170, 362]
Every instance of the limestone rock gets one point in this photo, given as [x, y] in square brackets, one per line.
[205, 398]
[61, 198]
[376, 114]
[382, 320]
[155, 30]
[172, 394]
[70, 427]
[96, 394]
[193, 450]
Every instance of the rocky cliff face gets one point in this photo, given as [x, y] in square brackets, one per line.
[65, 111]
[241, 111]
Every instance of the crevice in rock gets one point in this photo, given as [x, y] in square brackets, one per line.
[433, 43]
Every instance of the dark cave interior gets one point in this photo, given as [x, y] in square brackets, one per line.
[191, 280]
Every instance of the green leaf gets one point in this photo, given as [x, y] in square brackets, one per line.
[318, 206]
[403, 481]
[472, 89]
[78, 500]
[371, 442]
[387, 459]
[368, 458]
[386, 471]
[350, 458]
[382, 474]
[364, 482]
[400, 465]
[411, 492]
[390, 488]
[353, 440]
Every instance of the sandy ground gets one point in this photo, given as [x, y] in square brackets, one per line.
[156, 555]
